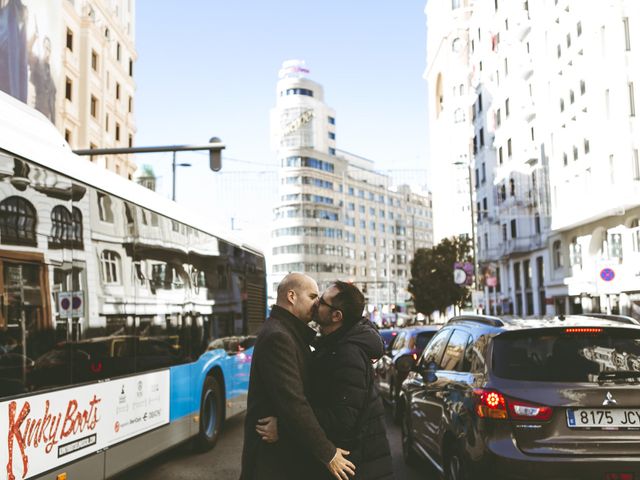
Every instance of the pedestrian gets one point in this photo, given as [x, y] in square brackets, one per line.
[279, 385]
[343, 395]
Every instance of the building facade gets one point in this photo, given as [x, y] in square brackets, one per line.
[337, 218]
[73, 61]
[556, 174]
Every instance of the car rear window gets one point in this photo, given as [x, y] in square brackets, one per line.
[422, 339]
[565, 354]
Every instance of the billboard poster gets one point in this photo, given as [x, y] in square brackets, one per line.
[45, 431]
[31, 52]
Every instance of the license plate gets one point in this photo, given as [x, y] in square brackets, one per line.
[604, 418]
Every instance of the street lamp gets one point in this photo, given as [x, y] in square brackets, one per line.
[215, 147]
[473, 223]
[173, 175]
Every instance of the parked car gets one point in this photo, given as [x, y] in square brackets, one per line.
[388, 335]
[527, 399]
[400, 356]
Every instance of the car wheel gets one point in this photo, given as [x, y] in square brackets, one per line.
[409, 455]
[455, 467]
[211, 415]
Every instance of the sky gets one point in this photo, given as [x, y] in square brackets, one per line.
[210, 67]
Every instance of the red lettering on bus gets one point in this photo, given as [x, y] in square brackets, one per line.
[47, 429]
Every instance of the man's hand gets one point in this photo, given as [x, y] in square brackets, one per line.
[267, 428]
[339, 466]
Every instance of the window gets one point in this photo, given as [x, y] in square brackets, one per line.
[509, 148]
[94, 107]
[110, 267]
[614, 241]
[117, 131]
[635, 234]
[106, 122]
[67, 89]
[635, 165]
[514, 228]
[17, 222]
[586, 146]
[454, 352]
[575, 253]
[118, 51]
[130, 67]
[67, 135]
[117, 91]
[66, 228]
[105, 207]
[433, 351]
[632, 100]
[332, 151]
[331, 120]
[579, 28]
[94, 60]
[583, 87]
[558, 262]
[332, 136]
[130, 104]
[572, 96]
[627, 38]
[69, 40]
[575, 153]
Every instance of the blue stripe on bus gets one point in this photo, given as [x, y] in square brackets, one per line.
[187, 380]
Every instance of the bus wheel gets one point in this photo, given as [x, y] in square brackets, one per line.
[211, 415]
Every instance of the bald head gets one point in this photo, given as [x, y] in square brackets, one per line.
[297, 293]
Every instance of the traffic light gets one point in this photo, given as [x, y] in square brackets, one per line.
[215, 156]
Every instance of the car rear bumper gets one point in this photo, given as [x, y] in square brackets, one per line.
[506, 461]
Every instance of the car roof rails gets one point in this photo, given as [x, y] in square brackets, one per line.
[484, 319]
[609, 316]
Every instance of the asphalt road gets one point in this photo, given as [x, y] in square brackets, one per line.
[223, 462]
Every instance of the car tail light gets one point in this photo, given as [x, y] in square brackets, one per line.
[493, 404]
[415, 357]
[490, 404]
[619, 476]
[583, 330]
[519, 410]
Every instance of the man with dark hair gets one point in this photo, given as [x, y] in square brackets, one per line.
[343, 396]
[278, 385]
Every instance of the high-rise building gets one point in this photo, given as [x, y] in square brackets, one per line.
[555, 168]
[73, 61]
[336, 216]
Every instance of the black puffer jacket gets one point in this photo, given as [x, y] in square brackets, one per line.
[347, 403]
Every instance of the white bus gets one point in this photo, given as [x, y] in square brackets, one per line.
[110, 297]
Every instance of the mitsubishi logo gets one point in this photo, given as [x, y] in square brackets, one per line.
[609, 400]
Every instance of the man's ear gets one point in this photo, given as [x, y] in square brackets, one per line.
[291, 296]
[338, 316]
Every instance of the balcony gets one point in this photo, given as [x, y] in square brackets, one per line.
[520, 245]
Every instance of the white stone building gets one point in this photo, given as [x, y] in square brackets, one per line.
[556, 174]
[337, 218]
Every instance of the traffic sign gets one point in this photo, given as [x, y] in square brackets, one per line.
[607, 274]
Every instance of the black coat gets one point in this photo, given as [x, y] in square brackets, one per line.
[347, 403]
[279, 386]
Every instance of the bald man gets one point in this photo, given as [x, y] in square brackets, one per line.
[280, 377]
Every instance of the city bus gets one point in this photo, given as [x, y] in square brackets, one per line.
[111, 302]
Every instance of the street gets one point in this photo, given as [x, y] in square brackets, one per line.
[223, 462]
